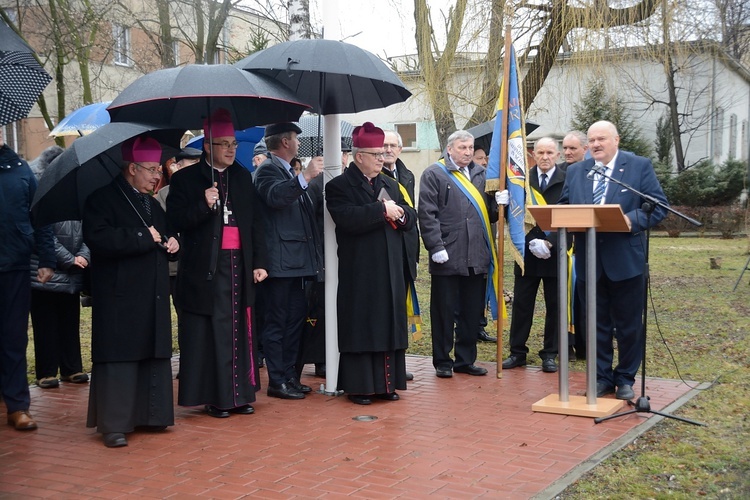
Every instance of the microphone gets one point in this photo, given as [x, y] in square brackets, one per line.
[598, 168]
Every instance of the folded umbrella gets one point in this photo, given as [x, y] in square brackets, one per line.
[22, 78]
[89, 163]
[83, 120]
[183, 97]
[483, 133]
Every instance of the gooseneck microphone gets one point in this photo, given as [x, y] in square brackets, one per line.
[598, 168]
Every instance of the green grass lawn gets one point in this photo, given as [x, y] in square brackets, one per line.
[698, 330]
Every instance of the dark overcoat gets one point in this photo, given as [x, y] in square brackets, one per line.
[131, 317]
[201, 234]
[533, 265]
[411, 237]
[371, 296]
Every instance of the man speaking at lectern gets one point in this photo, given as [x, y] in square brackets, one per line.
[620, 257]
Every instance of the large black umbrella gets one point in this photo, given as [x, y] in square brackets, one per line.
[483, 133]
[22, 79]
[333, 77]
[183, 97]
[89, 163]
[310, 142]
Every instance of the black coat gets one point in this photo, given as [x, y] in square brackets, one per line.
[292, 237]
[129, 277]
[201, 233]
[533, 265]
[411, 237]
[371, 296]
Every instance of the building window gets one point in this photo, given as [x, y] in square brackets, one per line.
[718, 130]
[176, 52]
[732, 136]
[121, 36]
[745, 139]
[408, 133]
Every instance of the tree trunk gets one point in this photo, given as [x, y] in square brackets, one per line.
[166, 41]
[299, 20]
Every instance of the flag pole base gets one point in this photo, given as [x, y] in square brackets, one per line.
[577, 406]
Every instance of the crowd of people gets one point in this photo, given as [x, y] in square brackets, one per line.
[241, 254]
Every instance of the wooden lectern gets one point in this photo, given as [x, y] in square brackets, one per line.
[589, 218]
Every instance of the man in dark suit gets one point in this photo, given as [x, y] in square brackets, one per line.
[538, 267]
[620, 257]
[295, 254]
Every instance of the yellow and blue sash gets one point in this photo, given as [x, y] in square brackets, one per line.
[477, 200]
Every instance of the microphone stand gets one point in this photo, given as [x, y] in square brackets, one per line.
[642, 404]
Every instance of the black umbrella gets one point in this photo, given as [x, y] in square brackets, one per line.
[183, 97]
[483, 133]
[310, 142]
[331, 76]
[22, 79]
[89, 163]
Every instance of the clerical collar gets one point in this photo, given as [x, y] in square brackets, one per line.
[208, 162]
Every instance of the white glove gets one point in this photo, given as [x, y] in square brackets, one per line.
[502, 197]
[539, 248]
[440, 257]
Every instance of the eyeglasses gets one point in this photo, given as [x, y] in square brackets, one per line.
[391, 146]
[157, 172]
[376, 155]
[226, 145]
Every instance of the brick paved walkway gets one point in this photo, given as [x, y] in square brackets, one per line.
[465, 437]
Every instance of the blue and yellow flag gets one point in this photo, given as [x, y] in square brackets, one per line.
[511, 144]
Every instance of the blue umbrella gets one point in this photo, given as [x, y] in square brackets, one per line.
[246, 139]
[82, 121]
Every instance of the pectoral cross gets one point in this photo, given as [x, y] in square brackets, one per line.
[227, 213]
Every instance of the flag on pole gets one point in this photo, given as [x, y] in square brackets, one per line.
[509, 143]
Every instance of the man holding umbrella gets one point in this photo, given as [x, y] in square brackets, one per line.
[213, 205]
[126, 231]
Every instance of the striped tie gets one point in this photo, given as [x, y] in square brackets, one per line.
[599, 190]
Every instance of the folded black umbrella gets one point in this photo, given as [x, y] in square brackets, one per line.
[22, 79]
[89, 163]
[183, 97]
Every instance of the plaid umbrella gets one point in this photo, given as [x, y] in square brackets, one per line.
[22, 79]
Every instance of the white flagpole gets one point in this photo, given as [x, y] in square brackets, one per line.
[332, 162]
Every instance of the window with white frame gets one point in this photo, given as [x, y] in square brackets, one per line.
[718, 130]
[121, 49]
[176, 52]
[408, 133]
[744, 140]
[732, 136]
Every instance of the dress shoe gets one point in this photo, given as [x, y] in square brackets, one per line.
[625, 392]
[48, 382]
[216, 412]
[513, 361]
[115, 440]
[76, 378]
[603, 389]
[299, 387]
[409, 376]
[359, 400]
[243, 410]
[284, 391]
[443, 372]
[21, 420]
[320, 370]
[471, 370]
[483, 336]
[549, 365]
[389, 396]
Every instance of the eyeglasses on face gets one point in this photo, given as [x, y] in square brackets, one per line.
[226, 144]
[391, 146]
[376, 155]
[155, 171]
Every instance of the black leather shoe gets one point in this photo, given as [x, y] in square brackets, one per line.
[409, 376]
[513, 361]
[443, 372]
[549, 365]
[471, 370]
[284, 391]
[298, 386]
[390, 396]
[216, 412]
[359, 400]
[243, 410]
[483, 336]
[603, 389]
[115, 440]
[625, 392]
